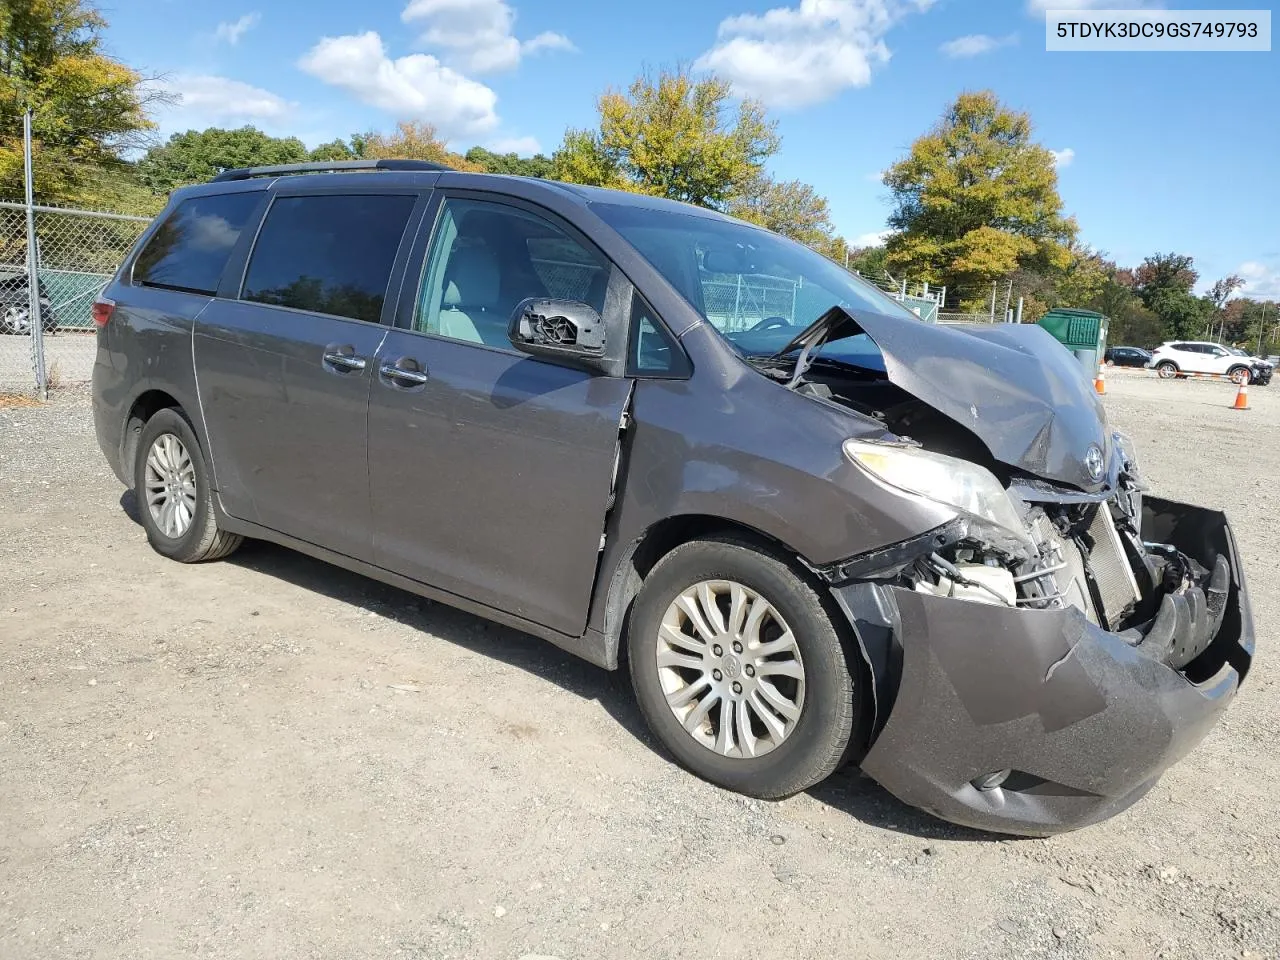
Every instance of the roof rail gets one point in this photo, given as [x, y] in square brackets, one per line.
[329, 166]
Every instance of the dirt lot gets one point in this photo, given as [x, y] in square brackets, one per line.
[267, 757]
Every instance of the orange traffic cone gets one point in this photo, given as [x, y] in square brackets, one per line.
[1242, 398]
[1100, 381]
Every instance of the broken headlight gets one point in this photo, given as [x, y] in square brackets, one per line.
[965, 487]
[1126, 451]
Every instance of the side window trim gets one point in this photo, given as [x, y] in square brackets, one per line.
[233, 282]
[617, 311]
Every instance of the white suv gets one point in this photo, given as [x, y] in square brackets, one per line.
[1196, 356]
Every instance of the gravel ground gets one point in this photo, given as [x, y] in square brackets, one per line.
[268, 757]
[68, 357]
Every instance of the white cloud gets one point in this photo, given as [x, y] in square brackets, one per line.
[220, 99]
[1261, 281]
[417, 86]
[549, 40]
[793, 56]
[524, 146]
[232, 30]
[876, 239]
[477, 35]
[1062, 158]
[975, 45]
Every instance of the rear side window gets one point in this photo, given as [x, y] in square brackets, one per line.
[190, 249]
[328, 254]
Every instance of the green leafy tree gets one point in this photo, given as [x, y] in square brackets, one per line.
[1164, 283]
[512, 164]
[789, 207]
[87, 108]
[198, 155]
[976, 199]
[338, 149]
[673, 136]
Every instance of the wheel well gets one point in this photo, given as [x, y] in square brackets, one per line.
[1166, 362]
[659, 540]
[144, 408]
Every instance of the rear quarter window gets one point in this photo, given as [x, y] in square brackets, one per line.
[191, 248]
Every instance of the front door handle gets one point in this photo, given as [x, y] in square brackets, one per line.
[405, 372]
[341, 359]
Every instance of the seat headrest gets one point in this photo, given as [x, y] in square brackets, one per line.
[471, 279]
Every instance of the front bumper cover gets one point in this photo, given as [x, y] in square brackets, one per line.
[1086, 721]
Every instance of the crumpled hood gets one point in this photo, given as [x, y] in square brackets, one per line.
[1020, 391]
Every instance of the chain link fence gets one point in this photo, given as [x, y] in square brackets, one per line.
[77, 251]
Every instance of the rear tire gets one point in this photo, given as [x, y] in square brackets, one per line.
[792, 707]
[175, 498]
[1166, 370]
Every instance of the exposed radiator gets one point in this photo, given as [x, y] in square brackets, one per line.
[1117, 587]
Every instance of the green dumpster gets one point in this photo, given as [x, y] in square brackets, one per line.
[1083, 332]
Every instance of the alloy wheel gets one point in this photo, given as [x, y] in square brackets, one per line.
[170, 485]
[730, 669]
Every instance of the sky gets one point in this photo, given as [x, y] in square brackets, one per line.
[1157, 152]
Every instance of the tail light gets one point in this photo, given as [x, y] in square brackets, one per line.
[102, 310]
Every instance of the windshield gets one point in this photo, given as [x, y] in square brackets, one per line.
[1236, 351]
[756, 288]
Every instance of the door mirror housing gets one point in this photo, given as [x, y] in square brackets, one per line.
[565, 331]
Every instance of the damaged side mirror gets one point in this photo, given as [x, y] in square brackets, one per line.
[567, 331]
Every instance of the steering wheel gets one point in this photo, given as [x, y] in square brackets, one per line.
[771, 323]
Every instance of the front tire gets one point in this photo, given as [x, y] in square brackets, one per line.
[1167, 370]
[739, 670]
[1240, 375]
[175, 498]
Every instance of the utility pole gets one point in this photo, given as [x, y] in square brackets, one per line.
[1019, 319]
[33, 266]
[993, 301]
[1262, 325]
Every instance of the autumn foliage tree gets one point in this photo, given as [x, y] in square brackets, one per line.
[687, 138]
[673, 136]
[88, 109]
[976, 199]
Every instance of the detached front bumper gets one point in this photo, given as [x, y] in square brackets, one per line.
[1086, 721]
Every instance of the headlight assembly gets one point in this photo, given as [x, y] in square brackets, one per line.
[959, 484]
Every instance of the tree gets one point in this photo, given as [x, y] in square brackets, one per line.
[87, 108]
[1081, 281]
[198, 155]
[791, 208]
[976, 199]
[1164, 282]
[411, 140]
[512, 164]
[338, 149]
[1219, 294]
[672, 136]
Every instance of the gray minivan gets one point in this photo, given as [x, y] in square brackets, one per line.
[817, 530]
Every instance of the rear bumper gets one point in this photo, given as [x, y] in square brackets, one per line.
[1086, 721]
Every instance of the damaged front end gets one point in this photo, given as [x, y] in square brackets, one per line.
[1039, 683]
[1042, 658]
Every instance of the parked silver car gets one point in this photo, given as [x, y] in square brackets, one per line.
[816, 530]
